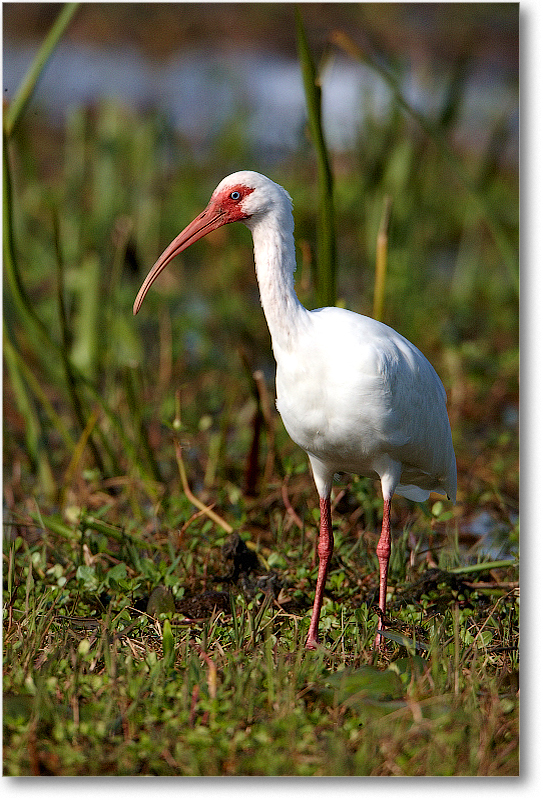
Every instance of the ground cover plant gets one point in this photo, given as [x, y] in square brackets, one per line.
[159, 533]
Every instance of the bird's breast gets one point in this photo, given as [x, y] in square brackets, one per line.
[330, 410]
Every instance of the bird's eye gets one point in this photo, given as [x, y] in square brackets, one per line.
[235, 195]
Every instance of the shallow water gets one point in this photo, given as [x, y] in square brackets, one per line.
[200, 90]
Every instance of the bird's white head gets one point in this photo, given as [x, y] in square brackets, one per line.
[250, 197]
[245, 196]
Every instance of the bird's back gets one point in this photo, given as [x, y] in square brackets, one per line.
[353, 390]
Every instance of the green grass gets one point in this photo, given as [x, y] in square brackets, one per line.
[98, 517]
[92, 682]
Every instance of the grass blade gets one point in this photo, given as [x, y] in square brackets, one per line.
[18, 290]
[326, 234]
[19, 103]
[381, 261]
[36, 387]
[33, 427]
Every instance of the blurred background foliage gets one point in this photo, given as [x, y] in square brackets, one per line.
[95, 191]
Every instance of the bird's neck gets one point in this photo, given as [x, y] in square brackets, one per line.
[275, 262]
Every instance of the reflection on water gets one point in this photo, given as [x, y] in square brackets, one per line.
[200, 90]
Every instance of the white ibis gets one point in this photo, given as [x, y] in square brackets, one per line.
[353, 393]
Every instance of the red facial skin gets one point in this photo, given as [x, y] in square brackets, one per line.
[222, 209]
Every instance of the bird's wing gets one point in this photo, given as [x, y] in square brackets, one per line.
[385, 397]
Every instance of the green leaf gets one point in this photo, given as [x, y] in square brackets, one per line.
[87, 575]
[408, 668]
[116, 574]
[160, 602]
[168, 644]
[365, 683]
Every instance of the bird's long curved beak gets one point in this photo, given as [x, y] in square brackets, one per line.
[209, 220]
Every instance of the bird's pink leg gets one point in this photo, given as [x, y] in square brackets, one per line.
[325, 550]
[383, 554]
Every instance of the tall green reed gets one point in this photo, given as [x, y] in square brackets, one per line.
[326, 233]
[71, 360]
[20, 382]
[17, 107]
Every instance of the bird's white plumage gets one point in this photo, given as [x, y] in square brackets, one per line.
[354, 394]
